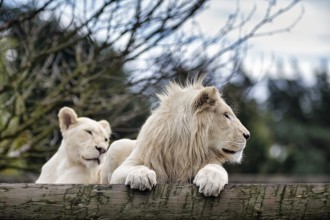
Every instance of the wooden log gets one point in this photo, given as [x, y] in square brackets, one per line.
[167, 201]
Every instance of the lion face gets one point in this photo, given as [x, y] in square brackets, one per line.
[86, 140]
[227, 135]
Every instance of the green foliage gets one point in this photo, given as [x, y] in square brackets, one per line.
[36, 82]
[302, 122]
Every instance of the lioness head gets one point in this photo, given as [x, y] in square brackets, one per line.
[85, 140]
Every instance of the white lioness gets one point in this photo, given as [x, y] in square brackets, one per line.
[78, 158]
[187, 138]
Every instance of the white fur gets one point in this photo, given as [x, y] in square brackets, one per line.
[82, 149]
[116, 154]
[190, 135]
[211, 179]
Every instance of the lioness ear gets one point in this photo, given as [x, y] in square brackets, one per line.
[67, 117]
[106, 125]
[205, 99]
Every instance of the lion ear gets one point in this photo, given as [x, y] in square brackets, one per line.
[205, 99]
[106, 125]
[67, 117]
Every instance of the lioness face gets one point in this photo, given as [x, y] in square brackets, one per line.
[227, 135]
[86, 140]
[89, 141]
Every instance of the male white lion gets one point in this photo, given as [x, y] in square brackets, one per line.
[187, 138]
[79, 156]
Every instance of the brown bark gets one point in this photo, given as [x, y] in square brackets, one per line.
[169, 201]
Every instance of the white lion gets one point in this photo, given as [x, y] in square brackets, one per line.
[78, 158]
[186, 139]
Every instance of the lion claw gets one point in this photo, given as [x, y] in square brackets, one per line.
[141, 178]
[211, 179]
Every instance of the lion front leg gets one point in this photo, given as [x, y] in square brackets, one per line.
[137, 177]
[211, 179]
[118, 152]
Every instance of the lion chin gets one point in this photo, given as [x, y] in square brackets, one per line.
[79, 157]
[187, 138]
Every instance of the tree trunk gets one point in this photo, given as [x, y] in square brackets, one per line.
[168, 201]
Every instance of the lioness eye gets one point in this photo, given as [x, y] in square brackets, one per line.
[226, 114]
[89, 132]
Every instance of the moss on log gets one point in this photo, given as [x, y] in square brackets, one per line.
[168, 201]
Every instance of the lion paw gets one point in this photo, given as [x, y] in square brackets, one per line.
[211, 179]
[141, 178]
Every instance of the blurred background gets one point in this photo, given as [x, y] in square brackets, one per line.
[107, 59]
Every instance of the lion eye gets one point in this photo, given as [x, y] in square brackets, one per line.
[226, 114]
[89, 132]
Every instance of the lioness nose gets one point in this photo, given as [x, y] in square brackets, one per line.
[246, 135]
[100, 149]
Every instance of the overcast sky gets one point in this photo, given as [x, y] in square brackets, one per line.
[308, 42]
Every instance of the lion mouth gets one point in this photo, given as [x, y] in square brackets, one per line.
[229, 151]
[91, 159]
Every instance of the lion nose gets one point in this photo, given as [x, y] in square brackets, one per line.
[246, 135]
[100, 149]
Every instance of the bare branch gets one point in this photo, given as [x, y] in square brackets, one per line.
[23, 17]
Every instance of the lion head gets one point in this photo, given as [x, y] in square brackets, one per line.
[85, 140]
[227, 136]
[192, 126]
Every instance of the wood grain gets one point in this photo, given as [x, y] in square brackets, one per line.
[167, 201]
